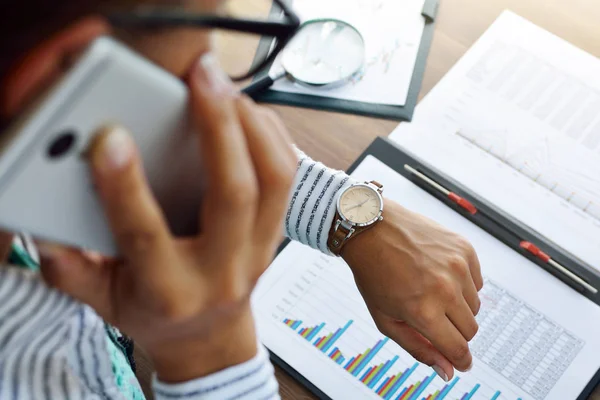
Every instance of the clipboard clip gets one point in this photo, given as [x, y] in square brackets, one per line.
[529, 247]
[538, 253]
[455, 198]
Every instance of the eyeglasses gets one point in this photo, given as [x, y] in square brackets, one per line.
[281, 30]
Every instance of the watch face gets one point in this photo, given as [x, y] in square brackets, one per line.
[360, 204]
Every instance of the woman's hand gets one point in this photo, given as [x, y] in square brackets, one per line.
[420, 282]
[186, 301]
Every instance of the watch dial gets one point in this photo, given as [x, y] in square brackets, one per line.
[360, 204]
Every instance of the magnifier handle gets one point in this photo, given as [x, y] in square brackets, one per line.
[258, 86]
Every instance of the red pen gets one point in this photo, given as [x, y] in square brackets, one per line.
[461, 201]
[537, 252]
[528, 246]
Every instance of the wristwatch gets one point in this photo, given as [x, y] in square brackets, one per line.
[359, 208]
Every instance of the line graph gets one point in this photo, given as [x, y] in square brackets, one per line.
[533, 160]
[553, 128]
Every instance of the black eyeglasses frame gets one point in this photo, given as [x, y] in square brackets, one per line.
[159, 18]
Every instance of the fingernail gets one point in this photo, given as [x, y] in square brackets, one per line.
[117, 149]
[470, 367]
[211, 76]
[93, 255]
[438, 370]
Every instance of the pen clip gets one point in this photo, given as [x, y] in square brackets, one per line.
[534, 250]
[574, 278]
[455, 198]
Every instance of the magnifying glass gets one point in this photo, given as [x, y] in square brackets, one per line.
[325, 54]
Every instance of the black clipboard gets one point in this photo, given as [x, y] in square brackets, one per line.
[398, 113]
[490, 219]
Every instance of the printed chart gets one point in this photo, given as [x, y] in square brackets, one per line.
[532, 343]
[558, 147]
[517, 121]
[322, 308]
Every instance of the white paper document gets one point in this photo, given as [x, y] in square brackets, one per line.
[392, 30]
[517, 121]
[538, 338]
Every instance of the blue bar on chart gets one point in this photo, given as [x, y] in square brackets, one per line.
[314, 332]
[393, 385]
[323, 343]
[292, 324]
[374, 375]
[383, 370]
[404, 392]
[366, 357]
[421, 388]
[336, 336]
[336, 355]
[496, 395]
[447, 389]
[468, 396]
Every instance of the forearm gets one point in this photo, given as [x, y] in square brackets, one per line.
[226, 364]
[253, 379]
[312, 202]
[227, 343]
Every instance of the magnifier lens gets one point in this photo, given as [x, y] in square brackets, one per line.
[324, 52]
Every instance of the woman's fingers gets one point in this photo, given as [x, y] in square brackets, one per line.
[134, 216]
[81, 277]
[415, 344]
[275, 165]
[444, 335]
[475, 268]
[462, 317]
[232, 195]
[471, 296]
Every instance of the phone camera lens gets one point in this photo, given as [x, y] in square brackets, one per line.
[62, 144]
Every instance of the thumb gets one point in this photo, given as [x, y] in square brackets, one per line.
[73, 272]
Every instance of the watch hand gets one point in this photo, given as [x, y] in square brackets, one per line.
[353, 207]
[358, 205]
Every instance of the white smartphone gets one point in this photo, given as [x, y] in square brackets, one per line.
[45, 184]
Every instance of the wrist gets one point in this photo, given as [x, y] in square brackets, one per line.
[231, 344]
[359, 245]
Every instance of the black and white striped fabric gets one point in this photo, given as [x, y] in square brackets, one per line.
[52, 347]
[313, 202]
[252, 380]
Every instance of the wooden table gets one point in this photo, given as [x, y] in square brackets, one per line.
[338, 139]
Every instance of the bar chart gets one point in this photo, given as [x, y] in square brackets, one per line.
[375, 376]
[313, 308]
[532, 343]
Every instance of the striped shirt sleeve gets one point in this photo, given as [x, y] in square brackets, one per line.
[312, 204]
[252, 380]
